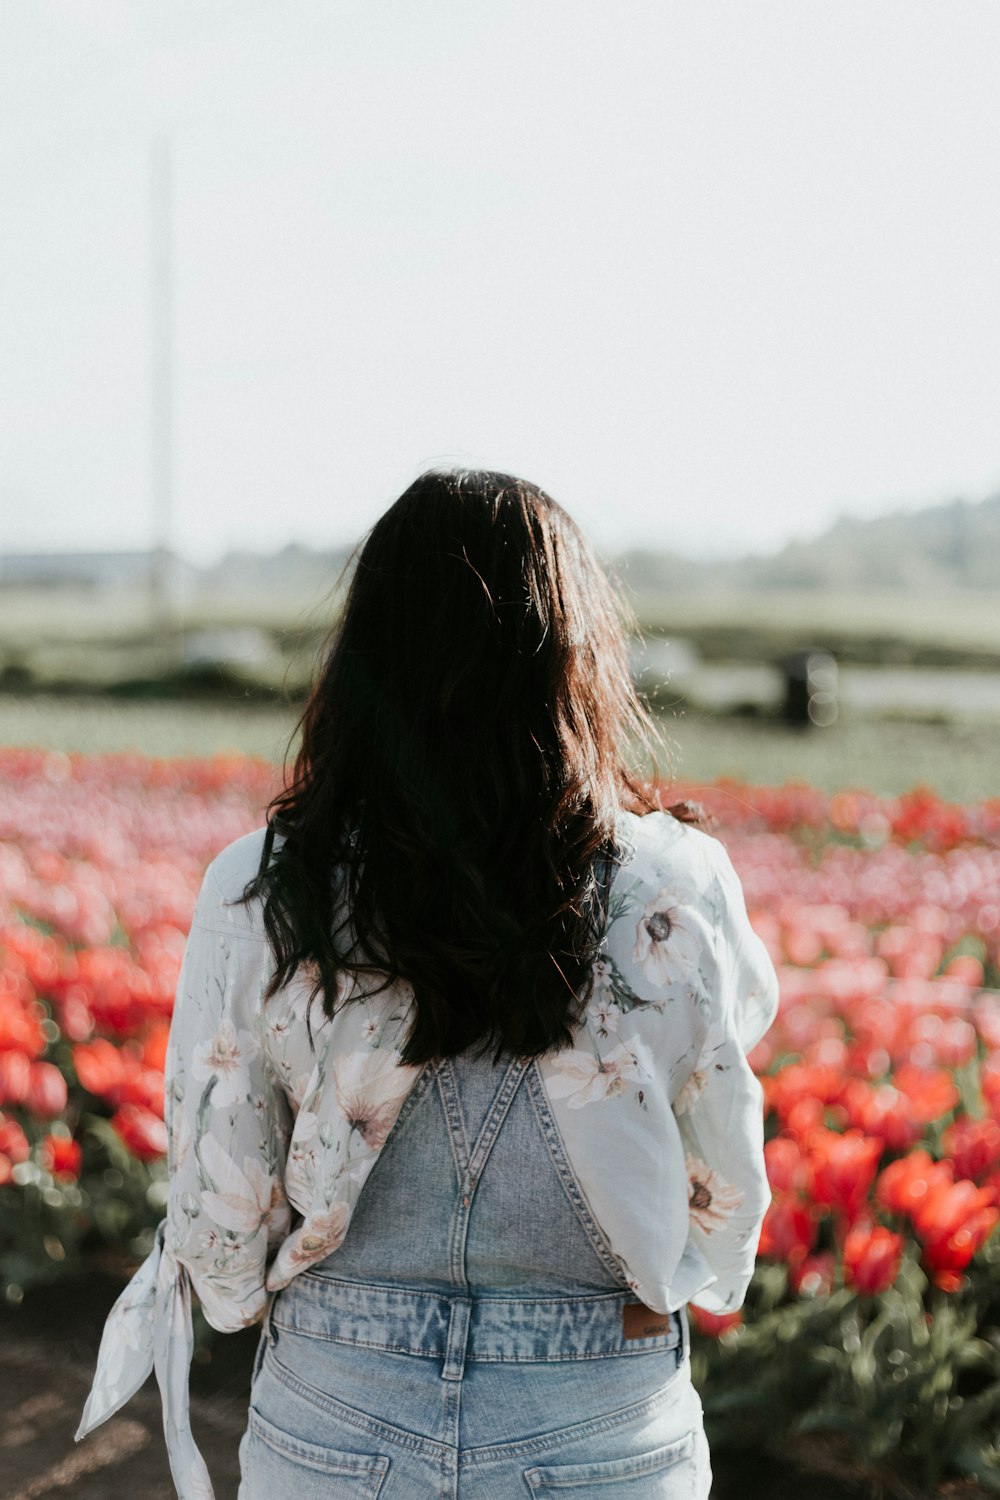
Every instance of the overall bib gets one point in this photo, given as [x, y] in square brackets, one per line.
[473, 1337]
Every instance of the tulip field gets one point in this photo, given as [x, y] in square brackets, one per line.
[875, 1307]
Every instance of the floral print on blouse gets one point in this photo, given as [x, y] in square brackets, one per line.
[271, 1137]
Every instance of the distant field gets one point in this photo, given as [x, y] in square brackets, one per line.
[969, 619]
[94, 639]
[960, 762]
[126, 612]
[168, 729]
[888, 628]
[78, 638]
[104, 638]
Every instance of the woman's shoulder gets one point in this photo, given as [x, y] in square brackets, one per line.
[237, 864]
[220, 904]
[660, 850]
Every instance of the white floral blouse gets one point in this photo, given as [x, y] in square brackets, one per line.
[271, 1142]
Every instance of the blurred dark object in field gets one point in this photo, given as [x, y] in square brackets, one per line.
[810, 689]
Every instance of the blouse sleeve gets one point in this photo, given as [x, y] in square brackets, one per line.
[228, 1127]
[228, 1121]
[720, 1107]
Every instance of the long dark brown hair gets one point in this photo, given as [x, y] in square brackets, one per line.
[461, 767]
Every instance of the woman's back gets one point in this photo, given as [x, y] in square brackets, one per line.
[472, 1192]
[473, 1278]
[473, 1337]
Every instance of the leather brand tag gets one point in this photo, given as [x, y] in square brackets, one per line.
[641, 1322]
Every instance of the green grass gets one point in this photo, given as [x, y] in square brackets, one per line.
[970, 618]
[77, 639]
[887, 629]
[160, 728]
[962, 762]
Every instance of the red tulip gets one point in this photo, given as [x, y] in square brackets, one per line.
[948, 1041]
[872, 1256]
[973, 1145]
[154, 1047]
[905, 1184]
[142, 1086]
[868, 1059]
[967, 969]
[15, 1077]
[100, 1067]
[143, 1133]
[788, 1232]
[803, 946]
[712, 1324]
[842, 1168]
[47, 1093]
[954, 1221]
[882, 1111]
[74, 1013]
[813, 1277]
[786, 1168]
[13, 1141]
[804, 1116]
[910, 954]
[20, 1016]
[62, 1157]
[816, 1083]
[931, 1091]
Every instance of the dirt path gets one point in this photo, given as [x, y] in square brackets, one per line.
[48, 1348]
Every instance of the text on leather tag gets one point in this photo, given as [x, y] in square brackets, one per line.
[641, 1322]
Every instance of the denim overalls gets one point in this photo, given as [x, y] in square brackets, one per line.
[472, 1339]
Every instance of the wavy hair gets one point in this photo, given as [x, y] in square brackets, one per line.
[452, 807]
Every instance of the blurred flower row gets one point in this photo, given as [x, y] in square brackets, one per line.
[880, 1076]
[100, 863]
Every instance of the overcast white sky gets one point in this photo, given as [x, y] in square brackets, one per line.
[711, 272]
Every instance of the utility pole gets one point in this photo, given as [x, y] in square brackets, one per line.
[162, 581]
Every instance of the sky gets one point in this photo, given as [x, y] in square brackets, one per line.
[713, 273]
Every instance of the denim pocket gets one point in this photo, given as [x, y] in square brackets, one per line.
[667, 1473]
[278, 1466]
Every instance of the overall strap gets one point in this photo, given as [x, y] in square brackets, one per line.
[470, 1160]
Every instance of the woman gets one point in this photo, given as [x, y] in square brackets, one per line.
[457, 1093]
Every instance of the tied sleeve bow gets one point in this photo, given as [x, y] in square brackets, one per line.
[149, 1328]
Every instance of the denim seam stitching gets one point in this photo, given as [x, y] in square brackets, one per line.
[585, 1299]
[468, 1169]
[375, 1466]
[452, 1419]
[453, 1119]
[476, 1163]
[645, 1346]
[455, 1127]
[497, 1114]
[573, 1356]
[528, 1447]
[638, 1466]
[594, 1299]
[570, 1182]
[374, 1427]
[457, 1338]
[371, 1426]
[381, 1348]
